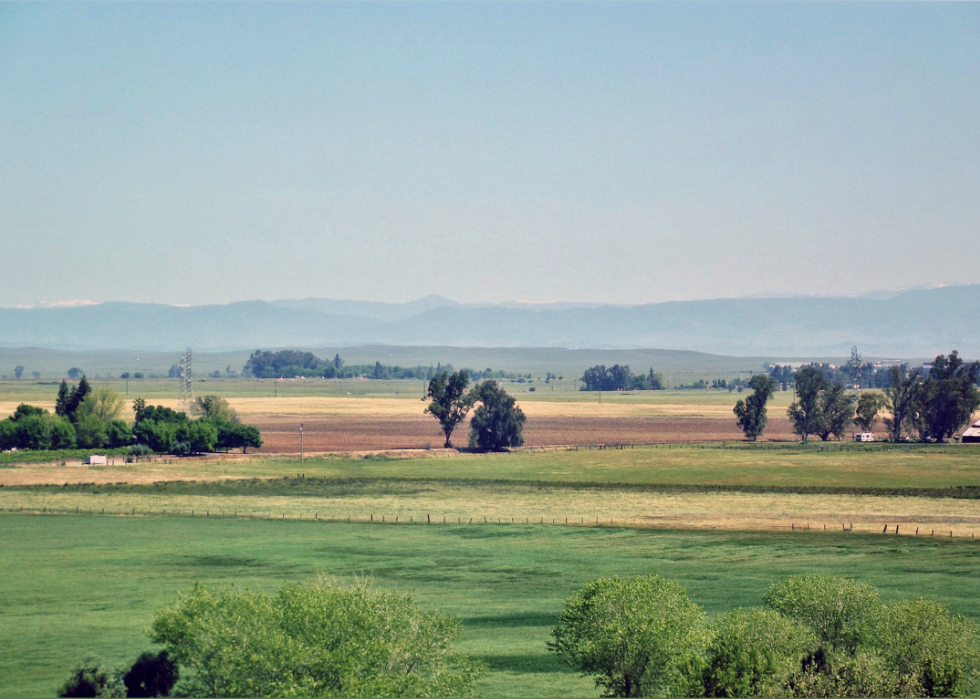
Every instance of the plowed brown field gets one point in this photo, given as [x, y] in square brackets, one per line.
[355, 433]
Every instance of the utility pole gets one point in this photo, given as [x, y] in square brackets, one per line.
[301, 442]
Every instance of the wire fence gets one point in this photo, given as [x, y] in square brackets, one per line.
[458, 520]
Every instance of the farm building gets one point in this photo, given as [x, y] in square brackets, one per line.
[972, 434]
[95, 460]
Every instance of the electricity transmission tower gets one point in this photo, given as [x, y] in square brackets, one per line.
[186, 389]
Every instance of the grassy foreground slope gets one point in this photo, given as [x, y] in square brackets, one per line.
[75, 585]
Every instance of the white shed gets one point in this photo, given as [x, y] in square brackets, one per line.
[972, 434]
[95, 460]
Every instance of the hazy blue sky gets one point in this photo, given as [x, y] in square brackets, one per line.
[196, 153]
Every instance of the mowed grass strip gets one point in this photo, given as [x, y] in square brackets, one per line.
[828, 467]
[78, 585]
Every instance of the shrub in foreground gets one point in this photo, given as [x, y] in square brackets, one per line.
[636, 636]
[754, 653]
[313, 640]
[821, 637]
[93, 678]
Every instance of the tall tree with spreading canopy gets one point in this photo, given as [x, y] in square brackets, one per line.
[804, 412]
[751, 413]
[498, 422]
[949, 396]
[451, 402]
[901, 400]
[868, 406]
[836, 411]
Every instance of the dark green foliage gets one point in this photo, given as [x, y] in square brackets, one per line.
[805, 412]
[166, 431]
[754, 652]
[8, 434]
[179, 436]
[450, 400]
[836, 411]
[751, 413]
[62, 433]
[292, 363]
[160, 437]
[619, 378]
[868, 406]
[634, 635]
[76, 396]
[234, 435]
[90, 432]
[157, 413]
[23, 410]
[266, 364]
[61, 402]
[35, 428]
[497, 423]
[118, 434]
[902, 399]
[199, 435]
[948, 397]
[93, 678]
[152, 675]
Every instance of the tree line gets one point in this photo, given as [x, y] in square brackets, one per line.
[920, 405]
[639, 636]
[620, 378]
[855, 373]
[87, 418]
[289, 364]
[816, 636]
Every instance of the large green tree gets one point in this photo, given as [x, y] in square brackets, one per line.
[312, 640]
[636, 636]
[949, 396]
[866, 413]
[751, 413]
[902, 400]
[497, 423]
[804, 412]
[451, 401]
[836, 411]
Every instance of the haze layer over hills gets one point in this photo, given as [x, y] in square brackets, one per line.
[912, 323]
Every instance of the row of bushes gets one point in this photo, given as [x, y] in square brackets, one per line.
[816, 636]
[32, 428]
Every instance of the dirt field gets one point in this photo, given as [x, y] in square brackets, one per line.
[357, 433]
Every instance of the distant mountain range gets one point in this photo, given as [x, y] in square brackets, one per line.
[914, 323]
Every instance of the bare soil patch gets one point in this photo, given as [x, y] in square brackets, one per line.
[355, 433]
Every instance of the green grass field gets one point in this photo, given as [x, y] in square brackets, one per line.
[76, 585]
[836, 467]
